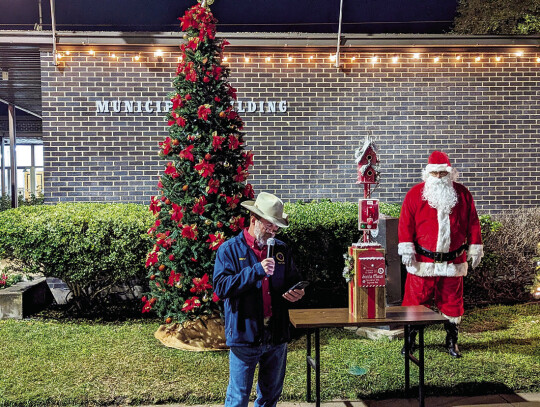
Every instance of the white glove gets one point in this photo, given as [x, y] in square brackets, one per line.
[407, 259]
[475, 260]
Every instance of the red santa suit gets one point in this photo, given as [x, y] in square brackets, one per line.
[423, 228]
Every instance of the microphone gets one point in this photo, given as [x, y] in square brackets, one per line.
[270, 242]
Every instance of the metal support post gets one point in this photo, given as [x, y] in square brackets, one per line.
[317, 367]
[308, 364]
[421, 365]
[13, 155]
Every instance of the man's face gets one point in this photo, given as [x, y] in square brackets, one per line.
[438, 174]
[264, 230]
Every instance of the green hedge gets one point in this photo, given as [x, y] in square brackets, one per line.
[92, 247]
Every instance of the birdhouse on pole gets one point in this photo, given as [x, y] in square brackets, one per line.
[367, 288]
[367, 162]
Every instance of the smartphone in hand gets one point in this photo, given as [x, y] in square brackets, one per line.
[299, 286]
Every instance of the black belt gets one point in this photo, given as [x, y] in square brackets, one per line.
[440, 257]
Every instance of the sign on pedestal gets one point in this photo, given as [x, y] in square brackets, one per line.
[367, 289]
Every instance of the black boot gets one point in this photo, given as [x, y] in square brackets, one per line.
[411, 340]
[452, 339]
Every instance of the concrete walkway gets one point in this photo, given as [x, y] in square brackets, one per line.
[496, 400]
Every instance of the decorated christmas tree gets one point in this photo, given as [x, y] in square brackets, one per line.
[204, 178]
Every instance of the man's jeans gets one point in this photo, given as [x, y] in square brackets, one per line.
[272, 361]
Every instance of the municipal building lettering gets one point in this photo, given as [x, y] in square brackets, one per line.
[158, 106]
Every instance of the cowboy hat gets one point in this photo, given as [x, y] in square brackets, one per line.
[269, 207]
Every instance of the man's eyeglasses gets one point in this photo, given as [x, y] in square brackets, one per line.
[439, 174]
[269, 226]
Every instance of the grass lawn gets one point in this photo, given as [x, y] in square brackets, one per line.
[49, 362]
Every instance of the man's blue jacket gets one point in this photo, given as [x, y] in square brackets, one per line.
[237, 280]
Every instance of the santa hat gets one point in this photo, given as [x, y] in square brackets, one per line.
[438, 161]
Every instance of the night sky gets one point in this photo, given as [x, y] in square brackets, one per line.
[359, 16]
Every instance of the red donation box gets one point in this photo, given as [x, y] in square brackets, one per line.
[367, 289]
[368, 214]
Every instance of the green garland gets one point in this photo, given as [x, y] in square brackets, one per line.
[348, 270]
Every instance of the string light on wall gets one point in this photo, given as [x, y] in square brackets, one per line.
[159, 55]
[276, 59]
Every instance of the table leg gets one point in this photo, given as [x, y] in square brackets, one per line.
[317, 368]
[407, 367]
[421, 365]
[308, 358]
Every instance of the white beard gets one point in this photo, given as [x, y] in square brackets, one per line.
[440, 193]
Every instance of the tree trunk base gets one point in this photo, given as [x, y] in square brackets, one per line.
[203, 334]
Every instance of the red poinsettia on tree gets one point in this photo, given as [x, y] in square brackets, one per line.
[203, 181]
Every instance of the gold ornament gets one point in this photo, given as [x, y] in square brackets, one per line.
[206, 3]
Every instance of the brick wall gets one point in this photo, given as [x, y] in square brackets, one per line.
[484, 114]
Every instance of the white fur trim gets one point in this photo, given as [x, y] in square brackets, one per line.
[454, 320]
[476, 250]
[443, 238]
[361, 244]
[438, 167]
[406, 248]
[445, 269]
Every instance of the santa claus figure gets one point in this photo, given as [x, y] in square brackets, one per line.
[439, 231]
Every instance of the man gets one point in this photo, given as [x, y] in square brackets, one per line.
[255, 290]
[439, 231]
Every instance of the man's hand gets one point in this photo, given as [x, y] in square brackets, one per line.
[268, 265]
[407, 259]
[294, 295]
[475, 260]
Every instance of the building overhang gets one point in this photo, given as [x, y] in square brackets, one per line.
[272, 41]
